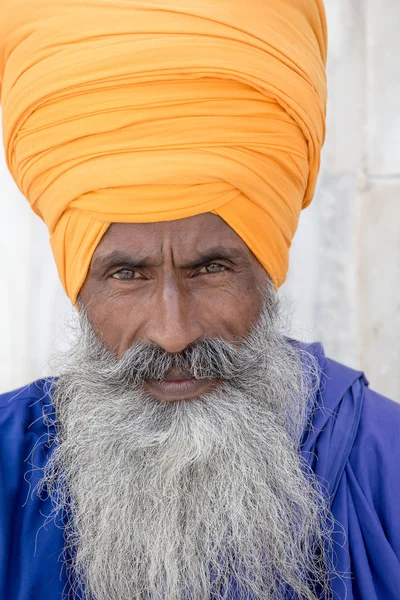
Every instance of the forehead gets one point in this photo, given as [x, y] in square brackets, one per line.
[191, 235]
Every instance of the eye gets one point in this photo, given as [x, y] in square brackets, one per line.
[212, 268]
[127, 275]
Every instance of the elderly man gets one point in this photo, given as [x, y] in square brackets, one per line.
[188, 450]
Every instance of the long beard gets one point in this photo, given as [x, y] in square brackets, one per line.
[189, 500]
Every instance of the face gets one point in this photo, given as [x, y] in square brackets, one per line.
[169, 498]
[193, 498]
[172, 284]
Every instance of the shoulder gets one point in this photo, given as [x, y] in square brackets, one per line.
[372, 472]
[354, 449]
[351, 426]
[380, 421]
[372, 485]
[375, 456]
[30, 543]
[23, 406]
[375, 418]
[25, 423]
[31, 391]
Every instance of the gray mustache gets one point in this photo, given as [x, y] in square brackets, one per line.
[205, 359]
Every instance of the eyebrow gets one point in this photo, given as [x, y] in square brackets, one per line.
[216, 253]
[119, 257]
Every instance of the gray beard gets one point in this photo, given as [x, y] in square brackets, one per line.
[173, 501]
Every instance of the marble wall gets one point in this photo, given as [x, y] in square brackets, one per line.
[345, 274]
[344, 282]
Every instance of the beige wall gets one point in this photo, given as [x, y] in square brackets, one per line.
[344, 282]
[346, 257]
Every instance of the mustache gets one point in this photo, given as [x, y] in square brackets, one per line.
[204, 359]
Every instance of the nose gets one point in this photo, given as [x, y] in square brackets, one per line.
[173, 325]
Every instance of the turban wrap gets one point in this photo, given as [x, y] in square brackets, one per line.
[156, 110]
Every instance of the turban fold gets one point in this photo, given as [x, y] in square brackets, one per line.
[155, 110]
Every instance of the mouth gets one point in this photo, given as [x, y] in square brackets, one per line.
[178, 385]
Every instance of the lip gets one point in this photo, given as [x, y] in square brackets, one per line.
[171, 390]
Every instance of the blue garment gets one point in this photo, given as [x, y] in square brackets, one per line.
[353, 447]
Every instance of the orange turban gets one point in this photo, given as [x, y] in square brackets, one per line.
[155, 110]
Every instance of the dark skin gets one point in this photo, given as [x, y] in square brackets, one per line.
[173, 283]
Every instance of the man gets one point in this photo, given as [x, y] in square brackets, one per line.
[188, 449]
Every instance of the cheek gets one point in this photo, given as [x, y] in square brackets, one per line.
[115, 319]
[244, 301]
[243, 314]
[228, 313]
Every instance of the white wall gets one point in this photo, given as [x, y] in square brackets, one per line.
[346, 258]
[344, 282]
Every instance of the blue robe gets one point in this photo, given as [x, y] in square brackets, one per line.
[353, 447]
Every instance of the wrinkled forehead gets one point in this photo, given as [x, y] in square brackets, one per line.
[200, 237]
